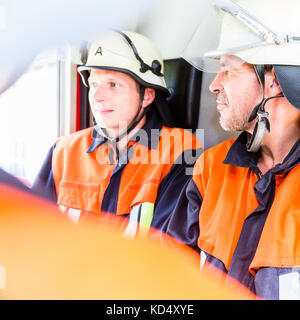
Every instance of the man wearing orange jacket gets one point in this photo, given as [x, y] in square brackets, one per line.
[129, 163]
[242, 205]
[44, 256]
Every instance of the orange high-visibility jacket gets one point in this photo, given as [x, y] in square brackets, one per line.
[249, 223]
[88, 175]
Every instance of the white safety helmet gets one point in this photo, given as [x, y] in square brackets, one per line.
[127, 52]
[259, 32]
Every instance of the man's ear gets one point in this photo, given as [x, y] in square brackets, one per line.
[149, 96]
[272, 87]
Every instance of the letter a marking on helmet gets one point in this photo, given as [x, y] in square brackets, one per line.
[99, 51]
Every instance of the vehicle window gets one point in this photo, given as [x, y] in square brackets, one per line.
[29, 118]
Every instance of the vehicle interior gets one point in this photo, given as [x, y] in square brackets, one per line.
[170, 24]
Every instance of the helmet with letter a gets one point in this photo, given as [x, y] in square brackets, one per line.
[135, 55]
[264, 33]
[127, 52]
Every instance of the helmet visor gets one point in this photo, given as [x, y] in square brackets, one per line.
[225, 29]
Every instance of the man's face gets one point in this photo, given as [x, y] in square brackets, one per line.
[237, 92]
[114, 98]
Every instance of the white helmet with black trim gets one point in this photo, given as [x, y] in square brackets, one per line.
[127, 52]
[259, 32]
[132, 54]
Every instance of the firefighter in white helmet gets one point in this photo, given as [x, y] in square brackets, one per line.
[242, 205]
[123, 164]
[44, 256]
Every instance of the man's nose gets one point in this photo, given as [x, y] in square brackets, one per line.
[217, 84]
[101, 93]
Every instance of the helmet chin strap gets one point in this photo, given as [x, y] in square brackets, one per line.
[263, 124]
[134, 122]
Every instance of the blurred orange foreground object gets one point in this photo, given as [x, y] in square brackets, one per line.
[44, 256]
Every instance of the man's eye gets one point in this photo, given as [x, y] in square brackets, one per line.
[114, 85]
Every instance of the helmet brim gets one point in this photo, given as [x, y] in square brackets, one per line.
[84, 69]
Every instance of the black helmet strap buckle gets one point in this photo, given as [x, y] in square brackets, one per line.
[263, 123]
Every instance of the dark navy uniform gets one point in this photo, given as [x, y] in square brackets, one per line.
[245, 223]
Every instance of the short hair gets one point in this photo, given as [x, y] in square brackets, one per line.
[268, 67]
[141, 91]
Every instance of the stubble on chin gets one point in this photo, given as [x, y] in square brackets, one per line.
[235, 122]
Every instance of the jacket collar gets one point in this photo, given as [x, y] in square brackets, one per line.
[239, 156]
[147, 138]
